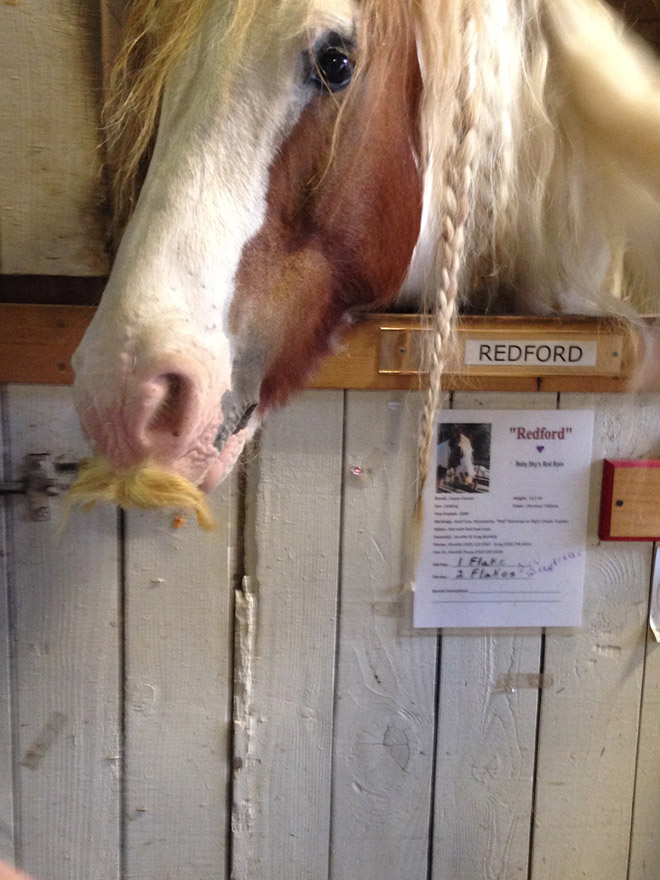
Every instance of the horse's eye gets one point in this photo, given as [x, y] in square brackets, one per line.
[331, 65]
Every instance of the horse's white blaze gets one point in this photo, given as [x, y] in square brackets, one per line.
[444, 454]
[465, 468]
[165, 310]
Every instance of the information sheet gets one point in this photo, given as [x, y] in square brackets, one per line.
[505, 518]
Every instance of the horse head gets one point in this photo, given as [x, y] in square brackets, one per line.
[283, 194]
[312, 156]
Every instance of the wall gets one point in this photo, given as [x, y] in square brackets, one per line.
[178, 704]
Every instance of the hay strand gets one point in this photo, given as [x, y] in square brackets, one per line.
[144, 487]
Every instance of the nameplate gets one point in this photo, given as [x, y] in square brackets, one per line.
[530, 352]
[513, 351]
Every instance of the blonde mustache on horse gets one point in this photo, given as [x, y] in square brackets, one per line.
[313, 159]
[142, 487]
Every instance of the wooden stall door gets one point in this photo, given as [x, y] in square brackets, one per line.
[151, 726]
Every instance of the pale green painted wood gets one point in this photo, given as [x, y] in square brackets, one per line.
[6, 744]
[332, 779]
[589, 717]
[178, 601]
[486, 732]
[67, 662]
[645, 837]
[384, 715]
[292, 536]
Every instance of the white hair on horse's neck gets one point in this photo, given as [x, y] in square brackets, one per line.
[540, 122]
[553, 141]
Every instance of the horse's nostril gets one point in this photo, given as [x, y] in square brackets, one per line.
[168, 414]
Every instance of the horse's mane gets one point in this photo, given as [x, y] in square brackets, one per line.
[541, 129]
[156, 35]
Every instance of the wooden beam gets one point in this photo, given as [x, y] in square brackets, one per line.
[380, 352]
[36, 342]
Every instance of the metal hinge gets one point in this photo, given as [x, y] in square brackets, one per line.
[41, 480]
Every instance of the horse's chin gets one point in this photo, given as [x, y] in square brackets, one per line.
[143, 486]
[152, 484]
[224, 463]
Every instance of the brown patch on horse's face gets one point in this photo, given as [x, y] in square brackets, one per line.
[342, 221]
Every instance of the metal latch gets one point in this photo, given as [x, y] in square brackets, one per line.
[41, 480]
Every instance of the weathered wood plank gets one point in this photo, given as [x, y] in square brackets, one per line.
[113, 15]
[51, 221]
[384, 716]
[36, 343]
[113, 18]
[645, 837]
[292, 544]
[67, 663]
[589, 717]
[6, 736]
[486, 733]
[178, 600]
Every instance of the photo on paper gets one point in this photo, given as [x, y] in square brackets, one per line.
[463, 458]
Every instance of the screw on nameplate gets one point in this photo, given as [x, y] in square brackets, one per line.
[41, 479]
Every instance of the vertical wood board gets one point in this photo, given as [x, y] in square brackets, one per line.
[6, 738]
[486, 731]
[384, 713]
[589, 717]
[113, 15]
[292, 559]
[645, 837]
[67, 662]
[178, 600]
[51, 222]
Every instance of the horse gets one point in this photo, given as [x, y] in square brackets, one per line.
[445, 460]
[465, 469]
[307, 160]
[457, 455]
